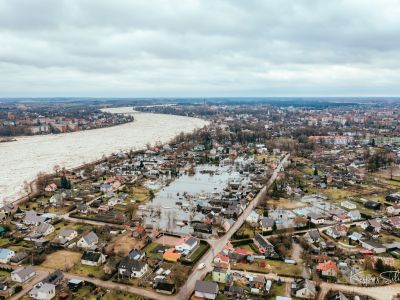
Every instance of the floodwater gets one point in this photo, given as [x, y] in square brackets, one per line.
[201, 188]
[23, 159]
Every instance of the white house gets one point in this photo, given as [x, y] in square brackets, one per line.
[23, 274]
[91, 258]
[88, 241]
[43, 291]
[316, 218]
[68, 234]
[253, 217]
[52, 187]
[348, 205]
[332, 232]
[393, 210]
[354, 215]
[44, 229]
[6, 255]
[132, 268]
[187, 244]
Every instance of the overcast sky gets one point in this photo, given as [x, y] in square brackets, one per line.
[199, 48]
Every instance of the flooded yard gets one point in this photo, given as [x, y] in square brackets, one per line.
[174, 206]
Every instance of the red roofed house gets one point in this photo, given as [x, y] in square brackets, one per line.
[328, 268]
[52, 187]
[221, 259]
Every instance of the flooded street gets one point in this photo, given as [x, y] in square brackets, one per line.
[23, 159]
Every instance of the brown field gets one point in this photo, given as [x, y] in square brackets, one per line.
[63, 260]
[286, 203]
[123, 244]
[167, 240]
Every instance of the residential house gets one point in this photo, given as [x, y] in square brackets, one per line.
[354, 215]
[372, 246]
[132, 268]
[328, 268]
[253, 217]
[56, 200]
[348, 204]
[257, 282]
[171, 256]
[221, 259]
[312, 236]
[52, 187]
[264, 246]
[67, 234]
[6, 290]
[106, 187]
[88, 241]
[233, 292]
[371, 226]
[6, 255]
[92, 258]
[44, 229]
[267, 224]
[43, 291]
[341, 218]
[7, 209]
[332, 232]
[304, 288]
[22, 275]
[206, 289]
[187, 244]
[394, 222]
[136, 254]
[220, 274]
[32, 218]
[393, 210]
[356, 236]
[164, 287]
[316, 218]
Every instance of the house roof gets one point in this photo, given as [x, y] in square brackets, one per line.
[372, 243]
[330, 264]
[131, 265]
[267, 222]
[262, 241]
[208, 287]
[66, 232]
[23, 272]
[4, 253]
[91, 256]
[43, 227]
[54, 277]
[90, 238]
[191, 241]
[135, 253]
[314, 234]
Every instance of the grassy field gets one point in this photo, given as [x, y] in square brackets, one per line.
[141, 194]
[277, 266]
[278, 290]
[84, 270]
[63, 260]
[4, 241]
[200, 250]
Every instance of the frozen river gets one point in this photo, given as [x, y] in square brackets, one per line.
[23, 159]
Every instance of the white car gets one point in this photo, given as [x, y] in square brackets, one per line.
[201, 266]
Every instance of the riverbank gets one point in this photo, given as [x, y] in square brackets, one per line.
[22, 160]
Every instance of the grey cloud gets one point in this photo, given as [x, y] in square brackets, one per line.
[195, 48]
